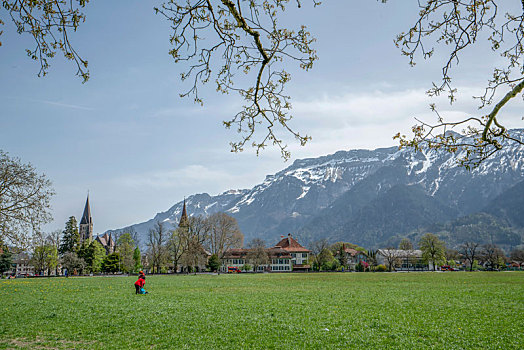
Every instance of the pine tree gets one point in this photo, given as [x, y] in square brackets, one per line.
[70, 237]
[5, 261]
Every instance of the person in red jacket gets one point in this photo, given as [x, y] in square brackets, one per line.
[139, 284]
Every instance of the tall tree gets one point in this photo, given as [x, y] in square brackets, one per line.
[257, 254]
[111, 263]
[392, 258]
[137, 260]
[470, 251]
[125, 246]
[54, 239]
[5, 259]
[319, 251]
[24, 200]
[70, 237]
[405, 244]
[517, 255]
[156, 242]
[93, 255]
[196, 234]
[493, 255]
[176, 246]
[433, 249]
[224, 233]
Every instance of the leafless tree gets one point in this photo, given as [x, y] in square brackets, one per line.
[470, 251]
[194, 237]
[318, 249]
[257, 254]
[176, 246]
[517, 255]
[391, 257]
[408, 252]
[493, 255]
[156, 244]
[24, 200]
[224, 234]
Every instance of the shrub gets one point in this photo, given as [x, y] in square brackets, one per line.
[382, 268]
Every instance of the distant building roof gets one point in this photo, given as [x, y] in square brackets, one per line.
[291, 245]
[400, 253]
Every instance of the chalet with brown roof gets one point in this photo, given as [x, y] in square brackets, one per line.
[287, 255]
[352, 256]
[299, 254]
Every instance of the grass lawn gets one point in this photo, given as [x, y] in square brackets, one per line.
[454, 310]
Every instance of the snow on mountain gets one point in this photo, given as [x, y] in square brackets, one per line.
[287, 200]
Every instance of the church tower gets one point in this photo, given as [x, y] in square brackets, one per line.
[184, 221]
[86, 224]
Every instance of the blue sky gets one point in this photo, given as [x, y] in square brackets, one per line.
[128, 138]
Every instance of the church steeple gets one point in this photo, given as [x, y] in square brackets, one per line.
[184, 221]
[86, 224]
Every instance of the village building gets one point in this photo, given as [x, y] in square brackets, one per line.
[21, 265]
[107, 241]
[286, 256]
[352, 257]
[403, 260]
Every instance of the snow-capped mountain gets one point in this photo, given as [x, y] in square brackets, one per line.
[320, 197]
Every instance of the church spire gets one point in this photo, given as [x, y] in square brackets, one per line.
[184, 221]
[86, 223]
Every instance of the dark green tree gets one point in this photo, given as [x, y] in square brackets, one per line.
[5, 260]
[111, 263]
[93, 254]
[70, 237]
[213, 263]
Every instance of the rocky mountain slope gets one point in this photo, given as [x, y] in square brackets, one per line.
[362, 196]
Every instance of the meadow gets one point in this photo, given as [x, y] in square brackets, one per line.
[453, 310]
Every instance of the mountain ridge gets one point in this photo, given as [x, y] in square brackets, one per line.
[315, 197]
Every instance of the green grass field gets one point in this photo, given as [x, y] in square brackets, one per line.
[268, 311]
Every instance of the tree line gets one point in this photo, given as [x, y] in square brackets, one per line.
[198, 243]
[473, 255]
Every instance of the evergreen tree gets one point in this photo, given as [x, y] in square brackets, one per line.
[111, 263]
[137, 259]
[93, 254]
[5, 260]
[70, 237]
[213, 263]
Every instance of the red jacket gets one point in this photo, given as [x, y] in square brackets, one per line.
[140, 282]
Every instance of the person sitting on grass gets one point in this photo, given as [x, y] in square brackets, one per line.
[139, 285]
